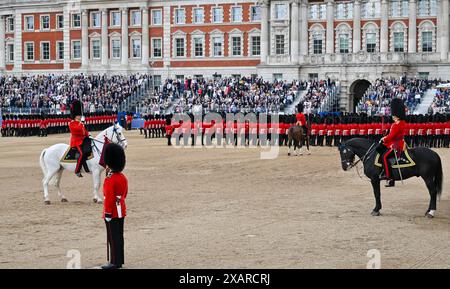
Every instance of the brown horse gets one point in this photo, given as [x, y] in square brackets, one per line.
[296, 136]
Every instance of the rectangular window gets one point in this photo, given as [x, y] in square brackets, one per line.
[136, 45]
[280, 11]
[255, 13]
[344, 43]
[179, 77]
[29, 49]
[157, 47]
[198, 15]
[136, 18]
[198, 47]
[236, 46]
[10, 52]
[179, 47]
[76, 20]
[95, 19]
[317, 44]
[236, 14]
[371, 42]
[76, 49]
[45, 22]
[29, 22]
[180, 16]
[115, 46]
[116, 18]
[157, 80]
[157, 17]
[277, 76]
[10, 24]
[45, 51]
[279, 45]
[217, 15]
[427, 41]
[217, 46]
[60, 50]
[59, 21]
[399, 42]
[256, 45]
[96, 49]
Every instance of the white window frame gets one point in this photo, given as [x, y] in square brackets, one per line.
[193, 15]
[175, 46]
[343, 28]
[284, 44]
[132, 38]
[93, 13]
[8, 51]
[161, 19]
[230, 44]
[72, 21]
[275, 16]
[240, 17]
[212, 14]
[26, 59]
[202, 39]
[92, 40]
[41, 46]
[111, 17]
[8, 27]
[427, 26]
[132, 24]
[72, 49]
[26, 17]
[398, 27]
[250, 44]
[175, 14]
[57, 50]
[153, 46]
[371, 27]
[316, 30]
[57, 22]
[211, 46]
[111, 47]
[251, 15]
[41, 22]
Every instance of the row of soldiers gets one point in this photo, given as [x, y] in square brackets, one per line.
[428, 131]
[43, 125]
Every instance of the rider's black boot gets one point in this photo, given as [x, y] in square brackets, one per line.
[390, 183]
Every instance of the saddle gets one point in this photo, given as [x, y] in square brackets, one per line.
[71, 155]
[404, 160]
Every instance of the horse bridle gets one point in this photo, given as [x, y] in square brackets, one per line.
[119, 140]
[363, 159]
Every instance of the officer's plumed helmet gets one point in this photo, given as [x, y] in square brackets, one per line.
[76, 109]
[398, 108]
[115, 157]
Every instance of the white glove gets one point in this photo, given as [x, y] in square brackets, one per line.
[107, 219]
[83, 118]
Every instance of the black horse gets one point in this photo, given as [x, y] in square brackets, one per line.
[428, 166]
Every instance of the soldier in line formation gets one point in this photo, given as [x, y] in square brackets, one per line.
[154, 126]
[421, 130]
[43, 125]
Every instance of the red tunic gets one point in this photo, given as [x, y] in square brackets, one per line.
[395, 137]
[78, 133]
[115, 185]
[301, 118]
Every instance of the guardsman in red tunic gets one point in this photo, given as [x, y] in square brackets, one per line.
[78, 134]
[301, 119]
[394, 141]
[115, 190]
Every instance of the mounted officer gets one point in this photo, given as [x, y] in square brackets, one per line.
[79, 137]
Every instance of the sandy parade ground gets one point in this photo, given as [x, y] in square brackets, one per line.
[220, 208]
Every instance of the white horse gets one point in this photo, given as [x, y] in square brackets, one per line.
[53, 166]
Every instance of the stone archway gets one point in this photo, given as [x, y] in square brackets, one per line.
[356, 92]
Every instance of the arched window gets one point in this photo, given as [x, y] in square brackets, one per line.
[316, 39]
[343, 41]
[371, 42]
[427, 36]
[398, 37]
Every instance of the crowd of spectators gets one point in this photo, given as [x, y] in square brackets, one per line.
[54, 93]
[441, 102]
[378, 96]
[319, 94]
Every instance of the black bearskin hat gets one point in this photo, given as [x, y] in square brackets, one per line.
[398, 108]
[115, 157]
[76, 109]
[300, 107]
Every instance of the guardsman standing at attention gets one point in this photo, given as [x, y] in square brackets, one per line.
[78, 134]
[115, 190]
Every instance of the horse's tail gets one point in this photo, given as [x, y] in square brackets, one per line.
[42, 162]
[438, 178]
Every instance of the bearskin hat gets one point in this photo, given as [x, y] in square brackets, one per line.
[76, 109]
[114, 156]
[398, 108]
[300, 107]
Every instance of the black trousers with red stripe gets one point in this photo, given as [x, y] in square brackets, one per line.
[114, 231]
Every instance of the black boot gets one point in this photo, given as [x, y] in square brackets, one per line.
[111, 266]
[390, 183]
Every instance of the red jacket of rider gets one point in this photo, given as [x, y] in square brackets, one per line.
[395, 137]
[78, 133]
